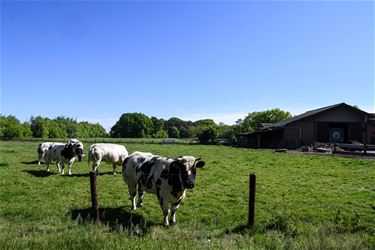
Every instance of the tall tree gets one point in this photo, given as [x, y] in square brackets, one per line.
[133, 125]
[254, 120]
[158, 128]
[176, 123]
[10, 127]
[39, 127]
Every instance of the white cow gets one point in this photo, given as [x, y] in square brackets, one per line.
[43, 148]
[62, 154]
[108, 152]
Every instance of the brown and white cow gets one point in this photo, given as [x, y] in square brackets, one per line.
[168, 178]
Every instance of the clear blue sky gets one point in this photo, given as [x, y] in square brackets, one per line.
[94, 60]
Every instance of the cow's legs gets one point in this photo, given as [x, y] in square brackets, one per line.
[114, 165]
[40, 157]
[62, 168]
[95, 167]
[174, 207]
[58, 166]
[133, 193]
[140, 196]
[164, 204]
[70, 168]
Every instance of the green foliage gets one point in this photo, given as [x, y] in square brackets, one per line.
[228, 132]
[132, 125]
[161, 134]
[254, 120]
[177, 128]
[173, 132]
[63, 127]
[205, 123]
[157, 125]
[39, 126]
[89, 130]
[10, 127]
[26, 130]
[208, 135]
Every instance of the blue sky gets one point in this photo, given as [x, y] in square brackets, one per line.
[94, 60]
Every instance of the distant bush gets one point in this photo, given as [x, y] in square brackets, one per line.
[208, 135]
[10, 127]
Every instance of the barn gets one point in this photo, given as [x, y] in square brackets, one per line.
[340, 123]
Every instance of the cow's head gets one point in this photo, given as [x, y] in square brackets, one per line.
[187, 167]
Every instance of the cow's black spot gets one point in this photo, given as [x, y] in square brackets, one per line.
[40, 151]
[69, 151]
[79, 153]
[124, 164]
[149, 181]
[145, 170]
[161, 202]
[158, 182]
[134, 194]
[158, 192]
[184, 174]
[174, 179]
[164, 174]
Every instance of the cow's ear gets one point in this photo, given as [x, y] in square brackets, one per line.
[200, 164]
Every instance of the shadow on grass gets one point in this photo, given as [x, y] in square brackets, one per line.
[4, 164]
[39, 173]
[117, 219]
[30, 162]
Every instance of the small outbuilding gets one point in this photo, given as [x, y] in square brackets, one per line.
[339, 123]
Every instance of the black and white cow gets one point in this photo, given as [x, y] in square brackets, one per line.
[63, 154]
[168, 178]
[45, 146]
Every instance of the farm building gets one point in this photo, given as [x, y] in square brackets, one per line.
[339, 123]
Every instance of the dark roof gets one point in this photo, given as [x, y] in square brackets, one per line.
[281, 124]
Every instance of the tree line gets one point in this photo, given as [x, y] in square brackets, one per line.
[41, 127]
[138, 125]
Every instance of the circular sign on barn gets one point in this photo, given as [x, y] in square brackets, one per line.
[336, 135]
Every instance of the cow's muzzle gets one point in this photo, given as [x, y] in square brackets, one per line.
[189, 185]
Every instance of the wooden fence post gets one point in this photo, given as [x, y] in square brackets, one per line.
[252, 199]
[94, 197]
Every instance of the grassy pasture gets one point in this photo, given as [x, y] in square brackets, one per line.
[303, 202]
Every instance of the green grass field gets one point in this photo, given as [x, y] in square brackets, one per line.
[302, 202]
